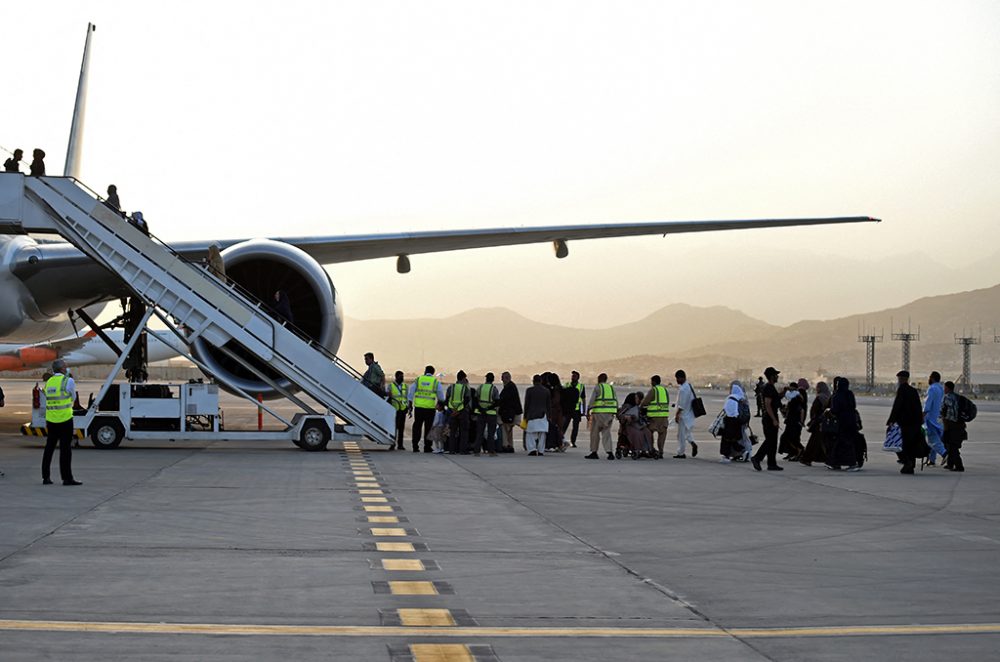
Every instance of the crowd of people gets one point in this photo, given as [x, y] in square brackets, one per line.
[804, 423]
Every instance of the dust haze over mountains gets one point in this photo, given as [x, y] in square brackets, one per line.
[710, 342]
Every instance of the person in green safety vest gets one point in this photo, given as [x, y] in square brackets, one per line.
[657, 404]
[575, 413]
[425, 392]
[486, 417]
[60, 390]
[395, 393]
[458, 400]
[601, 412]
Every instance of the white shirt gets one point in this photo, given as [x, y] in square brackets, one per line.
[685, 396]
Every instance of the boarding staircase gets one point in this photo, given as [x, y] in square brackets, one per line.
[204, 306]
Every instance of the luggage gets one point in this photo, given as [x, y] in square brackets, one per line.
[893, 440]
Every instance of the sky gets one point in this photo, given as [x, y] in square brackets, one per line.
[223, 120]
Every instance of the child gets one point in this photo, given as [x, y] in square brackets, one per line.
[439, 429]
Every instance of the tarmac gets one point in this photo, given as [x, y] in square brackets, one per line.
[257, 550]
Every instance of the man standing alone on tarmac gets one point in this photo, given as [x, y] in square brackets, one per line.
[685, 417]
[576, 414]
[60, 391]
[601, 412]
[397, 398]
[657, 404]
[425, 393]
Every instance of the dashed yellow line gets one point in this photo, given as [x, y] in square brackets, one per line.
[378, 509]
[374, 499]
[441, 653]
[426, 617]
[394, 547]
[412, 588]
[388, 532]
[383, 519]
[457, 632]
[402, 564]
[370, 491]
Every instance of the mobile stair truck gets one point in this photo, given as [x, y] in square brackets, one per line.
[191, 303]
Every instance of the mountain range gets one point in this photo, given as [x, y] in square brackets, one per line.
[707, 340]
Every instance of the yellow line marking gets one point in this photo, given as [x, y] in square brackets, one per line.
[412, 588]
[441, 653]
[455, 632]
[383, 519]
[402, 564]
[374, 499]
[425, 617]
[378, 509]
[394, 547]
[388, 533]
[362, 472]
[370, 492]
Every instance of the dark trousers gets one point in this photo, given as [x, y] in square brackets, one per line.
[423, 419]
[573, 418]
[400, 427]
[458, 439]
[769, 447]
[953, 444]
[62, 434]
[486, 434]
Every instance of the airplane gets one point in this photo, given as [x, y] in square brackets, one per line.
[87, 349]
[42, 279]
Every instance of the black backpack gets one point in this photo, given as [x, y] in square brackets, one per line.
[745, 415]
[967, 409]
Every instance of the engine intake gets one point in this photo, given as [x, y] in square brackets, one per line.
[264, 266]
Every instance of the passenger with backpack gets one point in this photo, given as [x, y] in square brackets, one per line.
[736, 416]
[956, 411]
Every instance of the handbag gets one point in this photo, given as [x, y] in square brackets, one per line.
[717, 426]
[697, 406]
[893, 439]
[829, 424]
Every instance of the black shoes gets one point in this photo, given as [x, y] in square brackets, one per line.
[775, 468]
[46, 481]
[532, 453]
[694, 449]
[680, 456]
[611, 456]
[756, 463]
[592, 456]
[72, 482]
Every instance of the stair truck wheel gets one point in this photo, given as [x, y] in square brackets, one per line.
[106, 432]
[315, 436]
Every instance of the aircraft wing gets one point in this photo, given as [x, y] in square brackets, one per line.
[334, 249]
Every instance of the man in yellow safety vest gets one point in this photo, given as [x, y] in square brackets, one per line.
[425, 393]
[458, 401]
[601, 412]
[396, 394]
[657, 404]
[59, 394]
[486, 417]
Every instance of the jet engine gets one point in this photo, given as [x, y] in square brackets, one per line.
[263, 267]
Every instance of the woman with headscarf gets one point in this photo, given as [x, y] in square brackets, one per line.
[635, 426]
[554, 438]
[795, 418]
[841, 453]
[816, 446]
[732, 426]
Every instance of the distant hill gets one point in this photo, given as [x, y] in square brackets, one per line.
[708, 341]
[488, 338]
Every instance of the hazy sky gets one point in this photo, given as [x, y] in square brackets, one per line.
[242, 120]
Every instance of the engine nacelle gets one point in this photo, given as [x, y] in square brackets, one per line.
[263, 266]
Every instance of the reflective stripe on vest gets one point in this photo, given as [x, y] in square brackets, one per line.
[58, 404]
[425, 394]
[660, 406]
[486, 399]
[397, 394]
[456, 401]
[606, 402]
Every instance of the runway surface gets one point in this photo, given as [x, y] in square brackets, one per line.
[257, 550]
